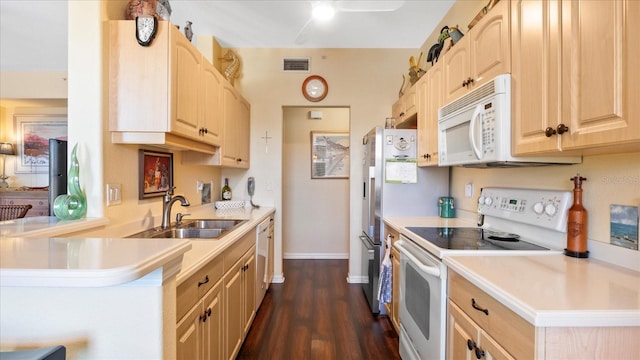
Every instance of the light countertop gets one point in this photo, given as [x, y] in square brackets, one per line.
[548, 289]
[91, 262]
[47, 226]
[32, 260]
[554, 290]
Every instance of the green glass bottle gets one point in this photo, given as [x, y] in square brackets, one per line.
[226, 190]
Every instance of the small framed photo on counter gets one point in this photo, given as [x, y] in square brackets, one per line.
[155, 173]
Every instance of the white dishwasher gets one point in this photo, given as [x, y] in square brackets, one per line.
[262, 258]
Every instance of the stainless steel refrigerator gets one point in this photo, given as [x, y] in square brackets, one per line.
[393, 185]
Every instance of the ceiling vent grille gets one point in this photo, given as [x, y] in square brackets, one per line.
[295, 64]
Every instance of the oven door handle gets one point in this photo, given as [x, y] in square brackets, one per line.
[430, 270]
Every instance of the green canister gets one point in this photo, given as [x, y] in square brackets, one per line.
[446, 208]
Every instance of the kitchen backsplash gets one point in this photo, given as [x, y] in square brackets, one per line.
[611, 179]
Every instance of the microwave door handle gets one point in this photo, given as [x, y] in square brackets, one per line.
[475, 119]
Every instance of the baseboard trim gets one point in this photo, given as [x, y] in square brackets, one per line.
[353, 279]
[315, 256]
[277, 279]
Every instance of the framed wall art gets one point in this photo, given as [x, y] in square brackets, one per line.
[329, 155]
[155, 173]
[32, 140]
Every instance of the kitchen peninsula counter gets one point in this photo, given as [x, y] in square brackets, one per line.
[554, 290]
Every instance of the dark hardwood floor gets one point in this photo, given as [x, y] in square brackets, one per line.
[316, 314]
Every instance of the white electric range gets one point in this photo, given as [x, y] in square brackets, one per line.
[510, 221]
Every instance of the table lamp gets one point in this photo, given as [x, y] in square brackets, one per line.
[5, 149]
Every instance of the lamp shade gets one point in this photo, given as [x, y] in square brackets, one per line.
[6, 149]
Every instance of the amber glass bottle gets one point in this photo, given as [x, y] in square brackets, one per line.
[577, 223]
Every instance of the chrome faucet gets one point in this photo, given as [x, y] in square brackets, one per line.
[167, 203]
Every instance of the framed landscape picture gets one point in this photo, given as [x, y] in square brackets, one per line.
[32, 140]
[155, 173]
[624, 226]
[329, 155]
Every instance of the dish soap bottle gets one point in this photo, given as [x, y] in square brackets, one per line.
[577, 223]
[226, 190]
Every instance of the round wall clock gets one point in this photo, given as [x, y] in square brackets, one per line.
[315, 88]
[146, 27]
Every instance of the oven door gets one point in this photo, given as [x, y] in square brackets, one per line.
[422, 303]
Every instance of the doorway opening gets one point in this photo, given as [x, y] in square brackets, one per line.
[315, 194]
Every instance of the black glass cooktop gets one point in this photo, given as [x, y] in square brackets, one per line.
[472, 239]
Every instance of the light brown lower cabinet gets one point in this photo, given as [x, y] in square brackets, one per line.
[200, 332]
[240, 297]
[217, 304]
[480, 327]
[393, 307]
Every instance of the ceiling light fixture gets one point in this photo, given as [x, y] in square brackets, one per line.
[323, 11]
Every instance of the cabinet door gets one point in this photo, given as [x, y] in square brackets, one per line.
[211, 125]
[213, 341]
[395, 288]
[489, 46]
[536, 71]
[601, 68]
[428, 130]
[461, 330]
[397, 111]
[493, 350]
[189, 335]
[243, 133]
[456, 69]
[187, 86]
[230, 111]
[249, 296]
[233, 304]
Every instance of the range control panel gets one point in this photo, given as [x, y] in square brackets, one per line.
[544, 208]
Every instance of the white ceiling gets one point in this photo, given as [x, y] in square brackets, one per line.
[33, 33]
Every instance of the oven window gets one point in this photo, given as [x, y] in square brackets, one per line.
[418, 299]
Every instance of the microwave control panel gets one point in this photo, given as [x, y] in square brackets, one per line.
[488, 126]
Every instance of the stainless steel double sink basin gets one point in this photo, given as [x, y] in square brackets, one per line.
[212, 229]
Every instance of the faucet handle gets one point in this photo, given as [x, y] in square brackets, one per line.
[169, 193]
[179, 217]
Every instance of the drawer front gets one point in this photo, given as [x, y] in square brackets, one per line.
[237, 250]
[191, 290]
[508, 329]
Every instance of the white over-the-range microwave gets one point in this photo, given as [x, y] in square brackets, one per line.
[475, 130]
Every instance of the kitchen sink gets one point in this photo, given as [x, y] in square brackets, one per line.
[210, 224]
[193, 229]
[190, 233]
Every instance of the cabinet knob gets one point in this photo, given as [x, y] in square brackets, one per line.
[464, 83]
[562, 128]
[479, 353]
[470, 81]
[470, 344]
[549, 132]
[206, 131]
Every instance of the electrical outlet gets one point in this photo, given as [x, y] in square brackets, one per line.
[114, 194]
[468, 190]
[198, 185]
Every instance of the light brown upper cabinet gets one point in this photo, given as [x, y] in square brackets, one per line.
[481, 55]
[165, 94]
[430, 98]
[235, 149]
[576, 76]
[404, 110]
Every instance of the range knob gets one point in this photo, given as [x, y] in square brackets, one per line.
[550, 209]
[481, 200]
[488, 200]
[538, 208]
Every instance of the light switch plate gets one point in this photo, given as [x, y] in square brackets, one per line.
[468, 190]
[114, 194]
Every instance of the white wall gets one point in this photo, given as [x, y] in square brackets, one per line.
[366, 80]
[315, 212]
